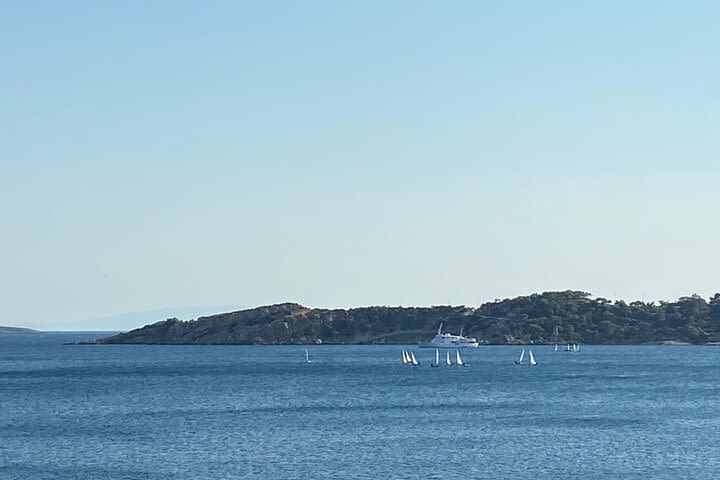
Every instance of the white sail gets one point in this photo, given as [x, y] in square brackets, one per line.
[532, 359]
[413, 359]
[556, 347]
[447, 357]
[437, 356]
[307, 356]
[404, 358]
[522, 355]
[458, 360]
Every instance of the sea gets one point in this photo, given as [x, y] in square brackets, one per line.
[354, 412]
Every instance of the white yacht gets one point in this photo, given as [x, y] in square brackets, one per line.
[448, 340]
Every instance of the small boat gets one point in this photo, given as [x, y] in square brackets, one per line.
[532, 360]
[307, 356]
[405, 358]
[568, 348]
[413, 360]
[556, 347]
[576, 347]
[458, 360]
[447, 357]
[437, 358]
[522, 355]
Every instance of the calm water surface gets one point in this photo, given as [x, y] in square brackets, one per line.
[243, 412]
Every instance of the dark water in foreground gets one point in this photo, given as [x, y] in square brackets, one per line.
[237, 412]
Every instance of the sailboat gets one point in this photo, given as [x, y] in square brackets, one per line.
[556, 347]
[413, 360]
[437, 358]
[458, 360]
[576, 347]
[532, 360]
[447, 357]
[307, 356]
[522, 355]
[405, 358]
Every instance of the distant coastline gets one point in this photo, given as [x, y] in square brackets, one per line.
[545, 318]
[16, 330]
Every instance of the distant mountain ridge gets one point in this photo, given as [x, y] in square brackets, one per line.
[126, 320]
[15, 330]
[549, 317]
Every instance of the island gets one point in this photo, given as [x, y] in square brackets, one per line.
[15, 330]
[544, 318]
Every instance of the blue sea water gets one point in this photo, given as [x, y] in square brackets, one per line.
[245, 412]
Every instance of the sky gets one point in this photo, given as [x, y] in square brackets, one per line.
[187, 156]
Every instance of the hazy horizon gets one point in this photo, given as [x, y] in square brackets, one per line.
[338, 155]
[130, 320]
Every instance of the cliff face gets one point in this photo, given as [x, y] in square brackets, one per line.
[290, 323]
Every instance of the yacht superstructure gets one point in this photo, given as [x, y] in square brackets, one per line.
[448, 340]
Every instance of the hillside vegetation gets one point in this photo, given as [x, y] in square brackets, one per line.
[550, 317]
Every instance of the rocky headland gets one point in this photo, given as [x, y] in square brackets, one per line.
[550, 317]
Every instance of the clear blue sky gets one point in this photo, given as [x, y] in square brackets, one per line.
[177, 154]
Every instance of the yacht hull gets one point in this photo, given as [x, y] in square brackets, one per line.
[447, 345]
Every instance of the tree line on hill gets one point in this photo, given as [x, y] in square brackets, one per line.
[550, 317]
[573, 316]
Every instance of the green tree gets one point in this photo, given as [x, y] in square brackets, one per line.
[714, 311]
